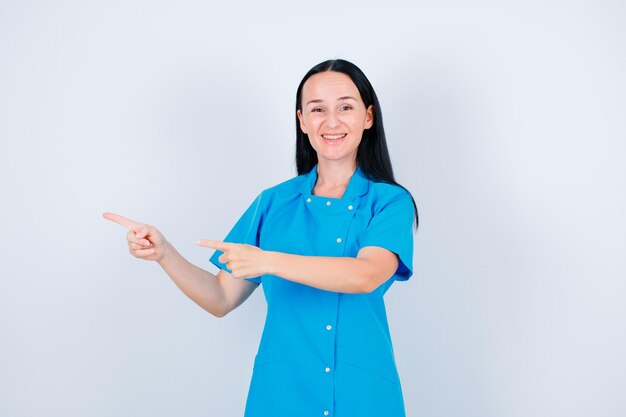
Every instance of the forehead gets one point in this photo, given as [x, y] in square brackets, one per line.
[329, 85]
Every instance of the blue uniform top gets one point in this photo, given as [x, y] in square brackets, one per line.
[325, 353]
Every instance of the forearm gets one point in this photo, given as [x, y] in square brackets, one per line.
[372, 266]
[201, 286]
[339, 274]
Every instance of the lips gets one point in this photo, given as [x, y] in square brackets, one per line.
[334, 137]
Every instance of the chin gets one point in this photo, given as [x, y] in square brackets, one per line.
[337, 158]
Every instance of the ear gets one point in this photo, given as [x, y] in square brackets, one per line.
[369, 117]
[301, 120]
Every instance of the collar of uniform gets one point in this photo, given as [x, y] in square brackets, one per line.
[358, 185]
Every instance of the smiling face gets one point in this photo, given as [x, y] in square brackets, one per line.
[334, 116]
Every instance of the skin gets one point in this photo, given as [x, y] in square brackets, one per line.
[331, 104]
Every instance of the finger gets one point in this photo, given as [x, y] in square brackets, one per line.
[122, 221]
[142, 252]
[223, 259]
[132, 238]
[238, 274]
[142, 232]
[137, 246]
[216, 244]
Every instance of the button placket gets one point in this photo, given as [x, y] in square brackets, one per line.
[335, 216]
[346, 210]
[328, 327]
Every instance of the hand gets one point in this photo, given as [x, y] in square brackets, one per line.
[245, 261]
[144, 242]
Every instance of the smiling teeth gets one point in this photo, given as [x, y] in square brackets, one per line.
[334, 137]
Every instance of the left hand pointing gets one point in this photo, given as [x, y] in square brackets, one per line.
[245, 261]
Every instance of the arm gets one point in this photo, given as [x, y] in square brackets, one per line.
[218, 294]
[363, 274]
[372, 266]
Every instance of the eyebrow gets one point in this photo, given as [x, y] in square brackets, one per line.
[339, 99]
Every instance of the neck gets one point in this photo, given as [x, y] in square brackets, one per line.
[333, 178]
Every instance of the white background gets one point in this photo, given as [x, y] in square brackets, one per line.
[505, 119]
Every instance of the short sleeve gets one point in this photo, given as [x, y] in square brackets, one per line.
[391, 228]
[246, 230]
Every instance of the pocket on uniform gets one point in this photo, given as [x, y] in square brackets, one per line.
[266, 387]
[267, 356]
[375, 366]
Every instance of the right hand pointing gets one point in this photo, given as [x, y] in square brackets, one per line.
[144, 242]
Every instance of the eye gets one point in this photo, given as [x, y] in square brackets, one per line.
[317, 110]
[345, 107]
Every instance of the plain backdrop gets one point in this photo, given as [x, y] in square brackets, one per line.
[506, 120]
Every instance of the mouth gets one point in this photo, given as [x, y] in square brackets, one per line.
[333, 138]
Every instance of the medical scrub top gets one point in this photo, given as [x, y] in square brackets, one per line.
[325, 353]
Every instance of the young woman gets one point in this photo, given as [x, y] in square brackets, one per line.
[326, 246]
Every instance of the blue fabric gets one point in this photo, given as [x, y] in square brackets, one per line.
[321, 350]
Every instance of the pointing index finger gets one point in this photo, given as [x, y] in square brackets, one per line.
[215, 244]
[122, 221]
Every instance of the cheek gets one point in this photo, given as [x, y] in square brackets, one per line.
[302, 123]
[312, 123]
[357, 123]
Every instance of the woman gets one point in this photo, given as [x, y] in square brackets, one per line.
[326, 245]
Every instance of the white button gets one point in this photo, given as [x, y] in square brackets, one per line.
[338, 240]
[327, 370]
[326, 412]
[350, 207]
[329, 327]
[308, 200]
[328, 203]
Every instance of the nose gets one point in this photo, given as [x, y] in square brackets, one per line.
[332, 120]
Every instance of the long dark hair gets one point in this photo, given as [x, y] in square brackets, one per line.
[372, 154]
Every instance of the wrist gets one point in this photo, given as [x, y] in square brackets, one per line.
[271, 262]
[167, 253]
